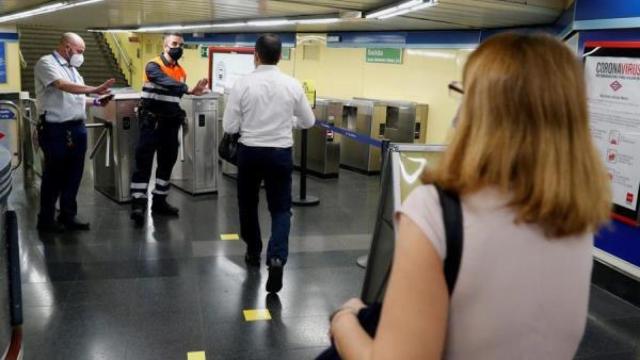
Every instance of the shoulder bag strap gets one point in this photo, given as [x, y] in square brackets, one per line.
[452, 218]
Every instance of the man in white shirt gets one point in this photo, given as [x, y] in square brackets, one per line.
[264, 107]
[62, 99]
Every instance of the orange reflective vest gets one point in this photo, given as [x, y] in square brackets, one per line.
[154, 91]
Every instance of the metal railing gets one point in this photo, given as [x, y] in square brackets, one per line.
[122, 56]
[18, 113]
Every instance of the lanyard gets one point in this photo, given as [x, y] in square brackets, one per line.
[72, 76]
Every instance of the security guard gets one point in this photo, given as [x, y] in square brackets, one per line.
[62, 101]
[160, 118]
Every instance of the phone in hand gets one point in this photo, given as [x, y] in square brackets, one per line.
[104, 99]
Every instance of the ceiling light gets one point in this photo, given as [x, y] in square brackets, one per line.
[57, 6]
[409, 4]
[317, 21]
[276, 22]
[236, 24]
[111, 30]
[401, 9]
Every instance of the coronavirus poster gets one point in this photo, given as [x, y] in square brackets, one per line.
[614, 108]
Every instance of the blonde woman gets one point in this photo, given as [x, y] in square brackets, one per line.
[533, 192]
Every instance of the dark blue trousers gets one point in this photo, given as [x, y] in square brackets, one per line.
[274, 166]
[158, 136]
[64, 146]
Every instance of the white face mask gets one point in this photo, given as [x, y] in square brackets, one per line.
[76, 60]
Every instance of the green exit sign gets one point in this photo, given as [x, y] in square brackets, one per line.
[384, 56]
[204, 51]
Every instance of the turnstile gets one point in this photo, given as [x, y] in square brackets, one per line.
[323, 148]
[401, 174]
[10, 288]
[11, 123]
[33, 156]
[395, 121]
[114, 147]
[358, 116]
[197, 169]
[405, 122]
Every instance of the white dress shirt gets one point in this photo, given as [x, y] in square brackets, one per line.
[59, 105]
[265, 106]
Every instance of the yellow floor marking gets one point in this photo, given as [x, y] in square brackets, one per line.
[256, 315]
[196, 355]
[227, 237]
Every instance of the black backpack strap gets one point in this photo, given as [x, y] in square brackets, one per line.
[452, 218]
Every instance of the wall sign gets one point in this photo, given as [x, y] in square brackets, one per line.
[613, 80]
[384, 55]
[226, 65]
[204, 51]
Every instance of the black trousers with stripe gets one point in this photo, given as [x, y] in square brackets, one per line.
[158, 135]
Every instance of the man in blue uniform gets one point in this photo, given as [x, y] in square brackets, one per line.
[160, 118]
[62, 100]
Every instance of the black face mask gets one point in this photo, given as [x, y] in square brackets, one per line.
[175, 53]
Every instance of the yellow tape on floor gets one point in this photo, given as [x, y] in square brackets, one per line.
[229, 237]
[256, 315]
[196, 355]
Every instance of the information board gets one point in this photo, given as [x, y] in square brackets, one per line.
[227, 65]
[613, 82]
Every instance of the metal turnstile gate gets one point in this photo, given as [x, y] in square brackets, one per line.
[323, 147]
[197, 169]
[113, 153]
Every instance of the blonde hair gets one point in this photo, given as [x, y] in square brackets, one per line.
[524, 129]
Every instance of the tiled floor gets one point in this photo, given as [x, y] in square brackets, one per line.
[173, 287]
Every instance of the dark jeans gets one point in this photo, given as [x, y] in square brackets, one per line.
[64, 146]
[274, 166]
[157, 134]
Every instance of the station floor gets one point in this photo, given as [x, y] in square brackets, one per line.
[174, 289]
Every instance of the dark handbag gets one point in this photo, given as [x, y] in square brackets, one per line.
[228, 148]
[369, 316]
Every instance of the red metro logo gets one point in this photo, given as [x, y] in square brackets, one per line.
[615, 85]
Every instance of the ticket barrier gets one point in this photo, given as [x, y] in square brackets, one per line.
[196, 171]
[358, 116]
[33, 156]
[323, 146]
[11, 315]
[403, 165]
[12, 110]
[113, 152]
[394, 121]
[405, 122]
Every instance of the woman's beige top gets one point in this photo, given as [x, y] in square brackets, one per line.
[519, 295]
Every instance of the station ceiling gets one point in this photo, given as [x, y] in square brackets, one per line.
[446, 15]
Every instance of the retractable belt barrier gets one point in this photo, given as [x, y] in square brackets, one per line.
[350, 134]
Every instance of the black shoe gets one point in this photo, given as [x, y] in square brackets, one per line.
[137, 215]
[274, 282]
[50, 227]
[138, 210]
[162, 207]
[252, 260]
[74, 224]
